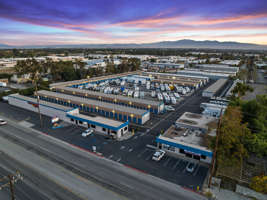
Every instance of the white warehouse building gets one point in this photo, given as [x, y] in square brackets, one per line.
[103, 125]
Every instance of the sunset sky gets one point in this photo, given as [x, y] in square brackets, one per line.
[44, 22]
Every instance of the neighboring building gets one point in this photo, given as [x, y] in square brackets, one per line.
[20, 78]
[195, 121]
[71, 115]
[210, 75]
[212, 90]
[187, 137]
[230, 62]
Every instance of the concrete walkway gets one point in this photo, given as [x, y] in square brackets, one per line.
[223, 194]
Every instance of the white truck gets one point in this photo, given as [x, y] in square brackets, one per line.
[3, 84]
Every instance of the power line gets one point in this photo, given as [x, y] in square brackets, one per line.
[9, 181]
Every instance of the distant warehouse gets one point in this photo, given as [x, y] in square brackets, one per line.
[110, 110]
[71, 115]
[214, 88]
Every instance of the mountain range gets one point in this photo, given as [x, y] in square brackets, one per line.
[207, 44]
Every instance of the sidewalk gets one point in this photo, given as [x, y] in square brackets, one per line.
[224, 194]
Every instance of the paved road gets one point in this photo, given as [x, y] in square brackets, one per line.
[33, 186]
[101, 177]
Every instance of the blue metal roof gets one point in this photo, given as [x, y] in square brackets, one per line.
[187, 148]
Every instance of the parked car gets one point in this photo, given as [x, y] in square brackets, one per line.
[2, 122]
[190, 167]
[158, 155]
[87, 132]
[169, 108]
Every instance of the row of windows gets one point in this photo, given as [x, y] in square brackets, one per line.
[189, 155]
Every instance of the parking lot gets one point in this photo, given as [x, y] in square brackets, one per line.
[132, 152]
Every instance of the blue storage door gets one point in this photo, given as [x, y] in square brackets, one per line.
[134, 119]
[139, 121]
[120, 117]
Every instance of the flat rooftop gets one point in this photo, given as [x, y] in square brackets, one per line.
[185, 135]
[197, 120]
[202, 73]
[45, 103]
[101, 94]
[85, 101]
[78, 82]
[186, 138]
[100, 120]
[216, 86]
[219, 67]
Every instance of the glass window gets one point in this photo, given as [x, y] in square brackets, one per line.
[93, 126]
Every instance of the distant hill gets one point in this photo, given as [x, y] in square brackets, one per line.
[3, 46]
[207, 44]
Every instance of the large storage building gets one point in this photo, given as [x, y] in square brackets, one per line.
[214, 88]
[115, 111]
[152, 106]
[71, 115]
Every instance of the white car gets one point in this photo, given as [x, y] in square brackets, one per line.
[87, 132]
[158, 155]
[190, 167]
[2, 122]
[169, 108]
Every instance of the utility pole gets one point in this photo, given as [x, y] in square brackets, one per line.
[10, 180]
[215, 150]
[11, 187]
[38, 98]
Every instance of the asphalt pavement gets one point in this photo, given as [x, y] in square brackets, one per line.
[33, 186]
[104, 174]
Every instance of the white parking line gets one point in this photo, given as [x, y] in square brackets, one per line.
[110, 156]
[196, 170]
[140, 154]
[167, 161]
[148, 157]
[122, 147]
[176, 164]
[131, 149]
[119, 160]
